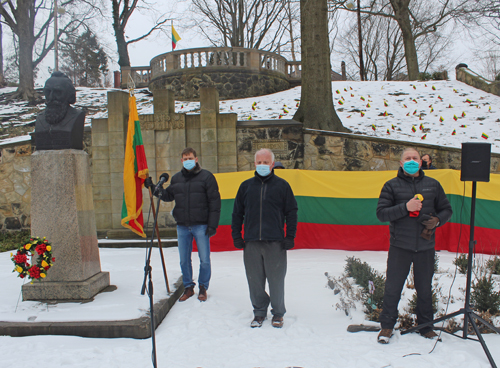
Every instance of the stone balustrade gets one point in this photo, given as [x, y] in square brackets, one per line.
[212, 59]
[216, 57]
[141, 75]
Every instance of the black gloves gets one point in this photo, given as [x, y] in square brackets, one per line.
[239, 243]
[432, 223]
[148, 183]
[210, 231]
[158, 193]
[288, 243]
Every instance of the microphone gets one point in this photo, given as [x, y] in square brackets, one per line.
[163, 179]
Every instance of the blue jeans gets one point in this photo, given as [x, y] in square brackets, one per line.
[185, 235]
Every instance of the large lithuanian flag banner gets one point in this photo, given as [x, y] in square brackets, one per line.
[337, 210]
[135, 171]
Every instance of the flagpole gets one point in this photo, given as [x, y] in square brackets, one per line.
[159, 240]
[172, 31]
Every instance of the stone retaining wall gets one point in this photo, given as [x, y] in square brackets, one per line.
[222, 143]
[230, 85]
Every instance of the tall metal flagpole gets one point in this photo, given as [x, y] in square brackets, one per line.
[56, 62]
[172, 32]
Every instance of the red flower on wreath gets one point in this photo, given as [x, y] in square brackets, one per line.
[20, 258]
[35, 272]
[37, 250]
[41, 249]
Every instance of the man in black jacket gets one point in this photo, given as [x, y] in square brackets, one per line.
[263, 204]
[197, 213]
[415, 205]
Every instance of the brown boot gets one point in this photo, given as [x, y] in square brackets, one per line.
[384, 335]
[277, 321]
[202, 296]
[429, 334]
[188, 293]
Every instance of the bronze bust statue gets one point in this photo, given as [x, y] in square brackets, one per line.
[60, 126]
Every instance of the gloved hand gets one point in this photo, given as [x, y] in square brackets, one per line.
[159, 193]
[431, 223]
[239, 243]
[210, 231]
[427, 234]
[288, 243]
[148, 183]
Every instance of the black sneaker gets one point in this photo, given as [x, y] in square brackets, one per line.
[257, 321]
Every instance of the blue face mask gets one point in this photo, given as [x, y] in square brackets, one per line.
[263, 170]
[189, 164]
[411, 167]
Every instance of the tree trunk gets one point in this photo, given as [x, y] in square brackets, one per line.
[402, 15]
[2, 79]
[123, 58]
[316, 110]
[26, 90]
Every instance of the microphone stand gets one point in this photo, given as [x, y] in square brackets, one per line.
[149, 279]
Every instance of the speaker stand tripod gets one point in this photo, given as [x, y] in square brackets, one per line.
[468, 313]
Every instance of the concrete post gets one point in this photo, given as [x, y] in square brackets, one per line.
[209, 110]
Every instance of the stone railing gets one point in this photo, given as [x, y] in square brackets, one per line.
[235, 58]
[465, 75]
[216, 57]
[141, 75]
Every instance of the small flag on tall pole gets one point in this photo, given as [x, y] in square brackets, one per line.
[175, 37]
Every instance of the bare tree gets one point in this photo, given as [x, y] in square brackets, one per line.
[29, 22]
[2, 79]
[256, 24]
[415, 19]
[122, 10]
[316, 109]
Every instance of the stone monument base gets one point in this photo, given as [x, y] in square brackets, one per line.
[66, 290]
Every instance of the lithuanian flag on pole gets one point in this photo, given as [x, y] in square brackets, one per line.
[135, 171]
[175, 38]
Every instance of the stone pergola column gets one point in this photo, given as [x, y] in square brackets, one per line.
[209, 111]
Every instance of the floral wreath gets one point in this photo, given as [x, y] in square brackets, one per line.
[33, 247]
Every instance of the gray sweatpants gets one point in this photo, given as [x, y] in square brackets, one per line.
[266, 260]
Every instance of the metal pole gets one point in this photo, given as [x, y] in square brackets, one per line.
[360, 38]
[56, 63]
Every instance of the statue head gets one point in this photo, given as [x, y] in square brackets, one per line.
[59, 95]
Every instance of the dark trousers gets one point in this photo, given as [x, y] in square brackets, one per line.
[398, 266]
[266, 260]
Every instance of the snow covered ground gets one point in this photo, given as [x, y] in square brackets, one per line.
[216, 333]
[387, 109]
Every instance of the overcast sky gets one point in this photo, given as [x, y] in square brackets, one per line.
[141, 53]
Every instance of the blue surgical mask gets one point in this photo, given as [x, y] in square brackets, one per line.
[263, 170]
[411, 167]
[189, 164]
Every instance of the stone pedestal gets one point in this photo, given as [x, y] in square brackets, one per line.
[62, 210]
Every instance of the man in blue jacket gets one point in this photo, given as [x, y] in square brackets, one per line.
[415, 205]
[263, 204]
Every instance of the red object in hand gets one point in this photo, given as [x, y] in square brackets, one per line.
[416, 213]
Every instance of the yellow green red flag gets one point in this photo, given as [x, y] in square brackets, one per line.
[135, 171]
[175, 38]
